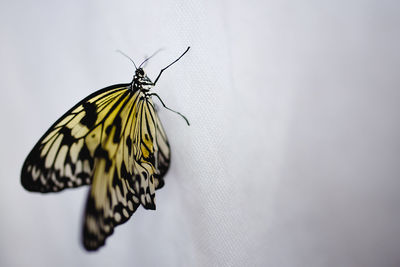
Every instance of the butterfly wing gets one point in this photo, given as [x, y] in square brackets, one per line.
[113, 139]
[64, 156]
[128, 169]
[162, 153]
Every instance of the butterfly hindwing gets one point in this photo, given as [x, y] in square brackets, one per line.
[111, 199]
[163, 155]
[125, 169]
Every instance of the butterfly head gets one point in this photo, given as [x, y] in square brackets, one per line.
[141, 81]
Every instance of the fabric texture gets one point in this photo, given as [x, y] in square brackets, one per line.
[292, 155]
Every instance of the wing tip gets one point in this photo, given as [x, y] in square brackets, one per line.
[28, 183]
[91, 243]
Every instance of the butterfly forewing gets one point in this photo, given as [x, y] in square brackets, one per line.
[64, 156]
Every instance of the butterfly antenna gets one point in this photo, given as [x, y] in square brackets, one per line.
[159, 98]
[187, 49]
[155, 53]
[119, 51]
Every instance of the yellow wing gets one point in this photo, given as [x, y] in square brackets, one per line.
[64, 156]
[127, 169]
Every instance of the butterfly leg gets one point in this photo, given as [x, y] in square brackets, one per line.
[159, 98]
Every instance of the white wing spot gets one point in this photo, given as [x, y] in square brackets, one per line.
[78, 167]
[86, 166]
[135, 199]
[68, 171]
[35, 173]
[117, 217]
[143, 199]
[130, 205]
[125, 212]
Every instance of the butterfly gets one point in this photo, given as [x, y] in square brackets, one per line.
[112, 140]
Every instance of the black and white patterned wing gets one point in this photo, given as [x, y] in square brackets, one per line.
[122, 178]
[64, 156]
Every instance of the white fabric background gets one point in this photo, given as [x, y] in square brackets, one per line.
[292, 158]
